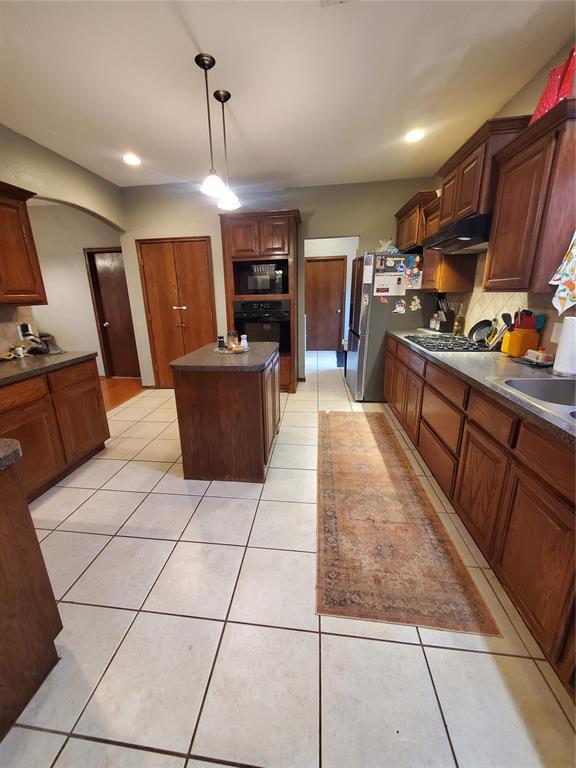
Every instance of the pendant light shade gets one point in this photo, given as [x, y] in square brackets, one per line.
[228, 200]
[213, 186]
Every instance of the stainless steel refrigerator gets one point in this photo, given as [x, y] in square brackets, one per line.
[369, 321]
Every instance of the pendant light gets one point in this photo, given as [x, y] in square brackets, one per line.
[228, 201]
[213, 186]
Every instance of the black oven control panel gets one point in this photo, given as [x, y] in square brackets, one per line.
[260, 308]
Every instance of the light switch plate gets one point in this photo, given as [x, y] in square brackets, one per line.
[23, 330]
[556, 330]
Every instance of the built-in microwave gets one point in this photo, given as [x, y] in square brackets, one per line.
[253, 278]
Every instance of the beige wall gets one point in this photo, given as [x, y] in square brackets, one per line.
[525, 101]
[61, 233]
[31, 166]
[177, 210]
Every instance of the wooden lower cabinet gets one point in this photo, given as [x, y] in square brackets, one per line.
[413, 405]
[440, 461]
[271, 403]
[35, 427]
[399, 390]
[81, 418]
[58, 419]
[534, 556]
[389, 370]
[481, 474]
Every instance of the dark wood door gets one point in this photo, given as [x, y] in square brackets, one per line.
[274, 235]
[162, 307]
[325, 295]
[20, 276]
[534, 556]
[469, 183]
[193, 263]
[520, 198]
[36, 429]
[479, 484]
[413, 407]
[448, 199]
[81, 418]
[113, 314]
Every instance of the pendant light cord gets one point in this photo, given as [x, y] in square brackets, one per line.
[209, 122]
[225, 144]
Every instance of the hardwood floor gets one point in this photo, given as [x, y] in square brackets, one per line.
[117, 391]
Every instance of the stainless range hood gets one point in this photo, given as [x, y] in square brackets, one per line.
[469, 235]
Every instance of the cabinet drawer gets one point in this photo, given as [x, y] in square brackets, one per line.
[452, 388]
[74, 374]
[497, 421]
[22, 392]
[440, 462]
[411, 359]
[444, 419]
[391, 346]
[547, 458]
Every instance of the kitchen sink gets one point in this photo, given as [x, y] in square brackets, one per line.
[560, 391]
[555, 395]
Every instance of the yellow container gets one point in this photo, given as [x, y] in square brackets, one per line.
[517, 342]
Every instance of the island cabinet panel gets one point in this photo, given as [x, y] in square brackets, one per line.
[81, 418]
[20, 276]
[481, 474]
[271, 403]
[29, 619]
[535, 556]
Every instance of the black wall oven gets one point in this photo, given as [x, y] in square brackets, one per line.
[264, 321]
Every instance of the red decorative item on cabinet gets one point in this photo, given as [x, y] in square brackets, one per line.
[560, 86]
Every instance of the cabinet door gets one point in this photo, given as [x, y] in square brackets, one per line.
[163, 315]
[271, 405]
[399, 391]
[36, 429]
[535, 556]
[448, 199]
[431, 265]
[81, 418]
[414, 389]
[520, 198]
[469, 183]
[20, 276]
[408, 228]
[193, 262]
[274, 234]
[481, 475]
[389, 368]
[276, 393]
[242, 241]
[432, 221]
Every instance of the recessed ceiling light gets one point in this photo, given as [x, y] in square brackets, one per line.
[415, 135]
[131, 159]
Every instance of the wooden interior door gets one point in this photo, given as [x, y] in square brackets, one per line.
[325, 284]
[193, 262]
[113, 314]
[162, 306]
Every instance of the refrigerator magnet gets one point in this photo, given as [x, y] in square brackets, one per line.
[399, 307]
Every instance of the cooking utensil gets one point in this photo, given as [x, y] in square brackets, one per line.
[480, 330]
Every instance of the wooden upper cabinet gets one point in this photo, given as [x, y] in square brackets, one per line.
[274, 235]
[467, 179]
[432, 217]
[20, 275]
[534, 214]
[534, 556]
[410, 229]
[242, 236]
[448, 273]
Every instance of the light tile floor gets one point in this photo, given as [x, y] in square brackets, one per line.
[190, 637]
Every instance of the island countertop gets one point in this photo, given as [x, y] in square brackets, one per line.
[37, 365]
[206, 360]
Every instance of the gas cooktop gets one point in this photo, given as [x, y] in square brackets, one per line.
[443, 343]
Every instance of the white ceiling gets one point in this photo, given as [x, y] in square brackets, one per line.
[320, 94]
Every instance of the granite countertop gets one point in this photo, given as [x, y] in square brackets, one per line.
[37, 365]
[205, 360]
[9, 452]
[478, 368]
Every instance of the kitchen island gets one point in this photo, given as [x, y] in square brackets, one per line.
[228, 411]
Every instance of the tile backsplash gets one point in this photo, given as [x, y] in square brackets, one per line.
[10, 316]
[484, 305]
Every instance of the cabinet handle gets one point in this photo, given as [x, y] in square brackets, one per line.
[179, 307]
[105, 323]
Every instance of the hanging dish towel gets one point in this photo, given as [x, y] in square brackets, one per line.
[565, 279]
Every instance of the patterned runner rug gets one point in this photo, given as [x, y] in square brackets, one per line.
[383, 553]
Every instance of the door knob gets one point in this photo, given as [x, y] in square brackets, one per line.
[105, 323]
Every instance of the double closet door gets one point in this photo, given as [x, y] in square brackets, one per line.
[179, 296]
